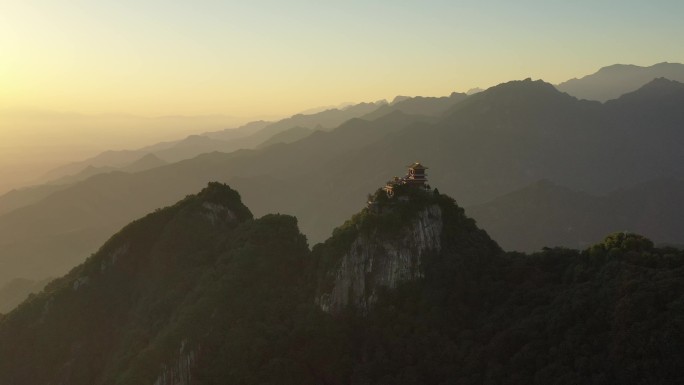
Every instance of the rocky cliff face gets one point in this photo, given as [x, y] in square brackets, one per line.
[180, 372]
[377, 260]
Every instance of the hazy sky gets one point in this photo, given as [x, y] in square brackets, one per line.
[246, 58]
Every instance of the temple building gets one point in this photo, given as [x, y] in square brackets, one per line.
[415, 177]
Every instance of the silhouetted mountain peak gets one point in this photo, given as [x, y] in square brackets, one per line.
[196, 139]
[530, 92]
[662, 84]
[521, 97]
[147, 162]
[209, 213]
[614, 68]
[149, 157]
[399, 98]
[523, 88]
[656, 91]
[612, 81]
[419, 105]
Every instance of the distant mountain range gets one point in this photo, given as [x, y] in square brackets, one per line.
[478, 148]
[146, 162]
[253, 135]
[613, 81]
[608, 83]
[426, 106]
[25, 196]
[34, 141]
[247, 136]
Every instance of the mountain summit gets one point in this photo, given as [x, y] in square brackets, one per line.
[404, 234]
[612, 81]
[659, 90]
[92, 325]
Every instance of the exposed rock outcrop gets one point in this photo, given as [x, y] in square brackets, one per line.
[379, 259]
[180, 373]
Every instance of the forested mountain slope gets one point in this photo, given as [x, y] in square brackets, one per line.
[201, 293]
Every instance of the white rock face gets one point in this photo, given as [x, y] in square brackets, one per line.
[373, 262]
[113, 256]
[179, 373]
[80, 282]
[215, 212]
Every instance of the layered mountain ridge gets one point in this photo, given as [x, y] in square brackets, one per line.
[482, 147]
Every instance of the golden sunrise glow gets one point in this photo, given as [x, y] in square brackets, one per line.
[152, 58]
